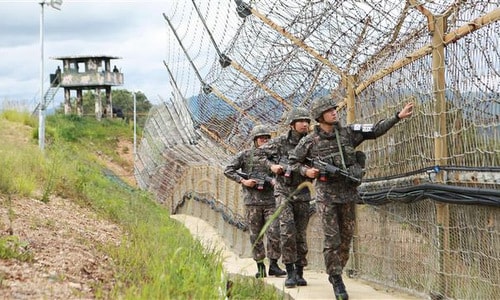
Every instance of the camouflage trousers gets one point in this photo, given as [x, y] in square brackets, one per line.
[256, 217]
[338, 225]
[294, 219]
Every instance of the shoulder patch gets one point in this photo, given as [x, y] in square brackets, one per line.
[362, 127]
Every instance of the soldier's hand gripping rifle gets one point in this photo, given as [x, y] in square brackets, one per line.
[287, 169]
[260, 178]
[326, 168]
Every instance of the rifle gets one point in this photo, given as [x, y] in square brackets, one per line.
[260, 178]
[326, 168]
[287, 169]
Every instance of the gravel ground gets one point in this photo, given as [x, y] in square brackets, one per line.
[64, 239]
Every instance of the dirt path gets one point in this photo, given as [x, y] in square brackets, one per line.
[318, 285]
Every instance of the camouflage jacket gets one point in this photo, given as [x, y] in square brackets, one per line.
[276, 151]
[247, 161]
[322, 145]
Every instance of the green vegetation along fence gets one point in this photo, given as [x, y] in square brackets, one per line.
[430, 218]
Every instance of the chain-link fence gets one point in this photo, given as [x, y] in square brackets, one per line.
[431, 214]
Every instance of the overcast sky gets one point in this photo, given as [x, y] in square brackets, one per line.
[134, 30]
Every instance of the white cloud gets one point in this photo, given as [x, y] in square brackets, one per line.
[132, 30]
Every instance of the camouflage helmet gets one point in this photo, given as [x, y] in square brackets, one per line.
[320, 105]
[296, 114]
[260, 130]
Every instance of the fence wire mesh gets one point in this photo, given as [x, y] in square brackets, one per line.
[431, 214]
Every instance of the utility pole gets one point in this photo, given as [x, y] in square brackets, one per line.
[41, 106]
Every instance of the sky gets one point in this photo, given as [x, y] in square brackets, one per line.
[133, 30]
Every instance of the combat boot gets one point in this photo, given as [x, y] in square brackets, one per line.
[300, 275]
[261, 270]
[338, 287]
[274, 269]
[291, 278]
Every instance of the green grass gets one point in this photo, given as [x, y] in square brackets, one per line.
[23, 118]
[157, 258]
[12, 248]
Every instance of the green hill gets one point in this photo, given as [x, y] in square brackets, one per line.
[74, 226]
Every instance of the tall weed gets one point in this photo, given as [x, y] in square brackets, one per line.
[19, 117]
[22, 169]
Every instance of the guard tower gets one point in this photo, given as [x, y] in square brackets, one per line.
[87, 73]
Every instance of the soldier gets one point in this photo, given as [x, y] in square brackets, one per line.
[336, 194]
[295, 214]
[259, 200]
[58, 72]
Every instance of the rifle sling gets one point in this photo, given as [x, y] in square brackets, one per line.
[337, 136]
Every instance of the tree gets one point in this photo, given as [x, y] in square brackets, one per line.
[124, 99]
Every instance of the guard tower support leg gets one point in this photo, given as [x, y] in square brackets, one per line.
[67, 101]
[109, 103]
[79, 102]
[98, 105]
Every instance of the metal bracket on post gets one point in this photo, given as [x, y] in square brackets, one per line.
[243, 9]
[224, 61]
[207, 89]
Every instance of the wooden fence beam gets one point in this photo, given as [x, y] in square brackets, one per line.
[493, 16]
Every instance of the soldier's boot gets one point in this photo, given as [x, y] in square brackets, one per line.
[291, 278]
[338, 287]
[274, 269]
[300, 275]
[261, 270]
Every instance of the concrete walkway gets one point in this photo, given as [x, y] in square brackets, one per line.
[318, 286]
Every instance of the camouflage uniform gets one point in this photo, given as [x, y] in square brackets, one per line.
[294, 217]
[336, 197]
[259, 204]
